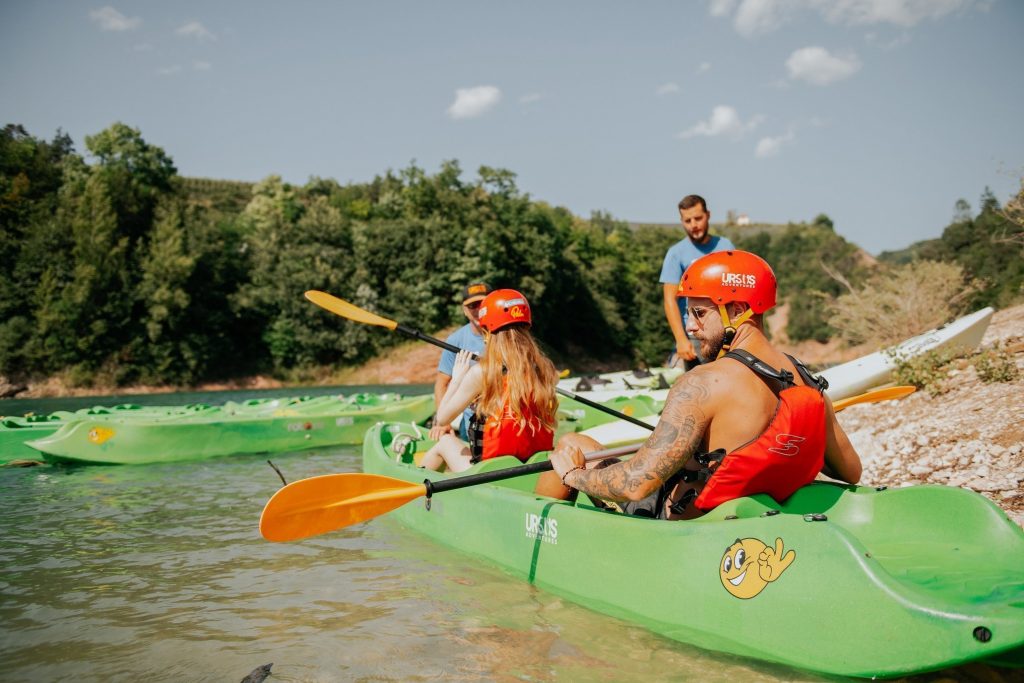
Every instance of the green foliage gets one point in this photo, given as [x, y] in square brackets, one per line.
[996, 365]
[118, 270]
[928, 371]
[802, 257]
[989, 247]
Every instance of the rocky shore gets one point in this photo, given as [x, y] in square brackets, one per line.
[971, 436]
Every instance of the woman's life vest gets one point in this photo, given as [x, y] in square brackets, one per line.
[788, 454]
[493, 436]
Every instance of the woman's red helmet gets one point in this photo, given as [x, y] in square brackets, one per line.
[504, 307]
[725, 276]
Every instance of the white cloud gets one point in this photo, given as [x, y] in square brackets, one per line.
[530, 97]
[169, 70]
[668, 88]
[472, 102]
[704, 67]
[201, 66]
[724, 120]
[762, 16]
[816, 66]
[194, 29]
[721, 8]
[753, 17]
[898, 12]
[770, 146]
[109, 19]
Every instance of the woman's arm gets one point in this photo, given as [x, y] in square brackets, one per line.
[465, 387]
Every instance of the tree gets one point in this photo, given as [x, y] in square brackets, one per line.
[961, 211]
[163, 293]
[988, 201]
[135, 172]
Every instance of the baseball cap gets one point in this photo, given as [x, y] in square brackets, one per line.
[475, 292]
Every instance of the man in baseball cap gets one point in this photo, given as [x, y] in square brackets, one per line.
[470, 336]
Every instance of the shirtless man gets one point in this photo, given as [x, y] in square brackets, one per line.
[728, 429]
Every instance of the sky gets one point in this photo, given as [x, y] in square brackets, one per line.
[879, 113]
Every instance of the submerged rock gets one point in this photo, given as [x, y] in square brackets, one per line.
[259, 674]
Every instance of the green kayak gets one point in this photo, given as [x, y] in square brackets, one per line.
[265, 427]
[16, 431]
[576, 416]
[844, 580]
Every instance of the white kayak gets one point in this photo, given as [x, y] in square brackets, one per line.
[848, 379]
[875, 369]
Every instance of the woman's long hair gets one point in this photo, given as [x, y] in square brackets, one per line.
[531, 377]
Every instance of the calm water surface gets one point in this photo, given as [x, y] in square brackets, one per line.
[158, 573]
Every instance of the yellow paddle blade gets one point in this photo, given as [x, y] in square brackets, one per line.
[874, 396]
[317, 505]
[346, 310]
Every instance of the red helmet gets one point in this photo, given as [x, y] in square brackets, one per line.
[725, 276]
[504, 307]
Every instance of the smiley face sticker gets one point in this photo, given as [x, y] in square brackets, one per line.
[749, 565]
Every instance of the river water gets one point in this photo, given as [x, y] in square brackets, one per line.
[158, 573]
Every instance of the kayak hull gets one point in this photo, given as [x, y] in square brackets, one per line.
[136, 441]
[875, 369]
[900, 598]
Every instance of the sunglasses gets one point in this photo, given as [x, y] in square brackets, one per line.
[698, 313]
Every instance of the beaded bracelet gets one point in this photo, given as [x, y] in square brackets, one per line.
[577, 467]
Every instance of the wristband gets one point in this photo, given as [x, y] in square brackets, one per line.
[576, 467]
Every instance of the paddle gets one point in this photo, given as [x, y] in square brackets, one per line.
[343, 308]
[874, 396]
[317, 505]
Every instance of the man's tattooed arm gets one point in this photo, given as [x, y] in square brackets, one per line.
[677, 437]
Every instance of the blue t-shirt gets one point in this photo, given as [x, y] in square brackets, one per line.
[679, 257]
[464, 338]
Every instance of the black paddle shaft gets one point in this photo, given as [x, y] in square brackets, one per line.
[443, 485]
[416, 334]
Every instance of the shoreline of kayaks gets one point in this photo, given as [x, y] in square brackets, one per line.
[176, 433]
[131, 434]
[923, 578]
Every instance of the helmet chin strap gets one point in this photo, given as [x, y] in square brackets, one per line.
[730, 327]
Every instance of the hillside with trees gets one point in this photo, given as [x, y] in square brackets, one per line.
[114, 269]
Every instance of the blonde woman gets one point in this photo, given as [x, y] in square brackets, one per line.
[513, 387]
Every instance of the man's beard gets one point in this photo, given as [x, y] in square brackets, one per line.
[710, 345]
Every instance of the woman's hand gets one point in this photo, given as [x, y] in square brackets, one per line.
[440, 429]
[463, 362]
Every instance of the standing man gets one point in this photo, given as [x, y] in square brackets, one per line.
[693, 212]
[470, 337]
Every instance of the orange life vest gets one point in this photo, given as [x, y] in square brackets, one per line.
[502, 435]
[788, 454]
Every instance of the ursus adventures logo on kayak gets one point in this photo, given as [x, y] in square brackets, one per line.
[541, 529]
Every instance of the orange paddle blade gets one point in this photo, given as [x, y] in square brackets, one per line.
[874, 396]
[346, 310]
[317, 505]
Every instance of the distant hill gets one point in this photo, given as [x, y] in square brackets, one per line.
[989, 246]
